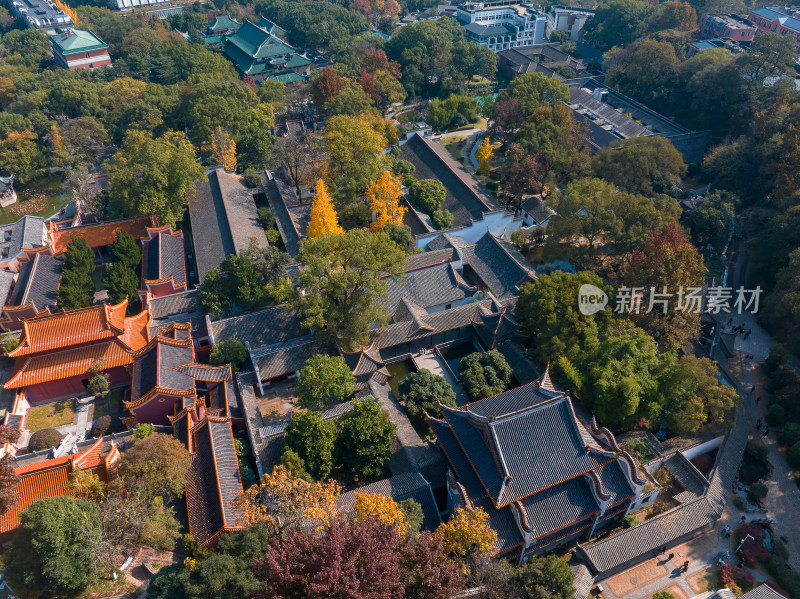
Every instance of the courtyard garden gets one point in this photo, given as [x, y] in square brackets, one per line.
[50, 416]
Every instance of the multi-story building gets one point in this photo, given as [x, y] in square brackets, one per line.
[731, 27]
[569, 19]
[502, 24]
[80, 50]
[261, 55]
[783, 20]
[42, 14]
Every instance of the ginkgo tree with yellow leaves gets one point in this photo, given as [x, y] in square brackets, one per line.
[224, 149]
[323, 218]
[484, 156]
[384, 197]
[467, 532]
[382, 507]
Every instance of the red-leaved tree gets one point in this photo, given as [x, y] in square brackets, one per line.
[326, 86]
[366, 560]
[8, 477]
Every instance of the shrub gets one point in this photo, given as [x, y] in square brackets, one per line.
[793, 457]
[779, 549]
[403, 167]
[776, 359]
[758, 449]
[739, 503]
[790, 434]
[428, 194]
[629, 520]
[193, 548]
[98, 384]
[484, 374]
[230, 351]
[422, 393]
[44, 439]
[142, 431]
[101, 426]
[776, 415]
[252, 178]
[663, 595]
[442, 219]
[266, 218]
[757, 492]
[784, 575]
[11, 344]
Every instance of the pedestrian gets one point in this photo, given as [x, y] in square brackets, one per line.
[744, 518]
[686, 566]
[758, 423]
[753, 389]
[663, 550]
[427, 347]
[758, 399]
[720, 562]
[670, 556]
[766, 431]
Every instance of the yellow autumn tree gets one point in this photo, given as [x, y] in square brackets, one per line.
[67, 10]
[384, 200]
[467, 531]
[484, 155]
[224, 149]
[282, 500]
[323, 216]
[384, 508]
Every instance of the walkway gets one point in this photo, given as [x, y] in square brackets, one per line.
[435, 363]
[82, 421]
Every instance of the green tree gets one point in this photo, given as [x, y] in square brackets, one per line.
[534, 90]
[546, 577]
[342, 280]
[696, 396]
[422, 392]
[44, 438]
[230, 351]
[20, 155]
[484, 374]
[142, 431]
[428, 194]
[413, 516]
[55, 548]
[646, 70]
[364, 444]
[122, 282]
[615, 22]
[75, 290]
[312, 439]
[646, 165]
[781, 311]
[622, 378]
[712, 220]
[295, 464]
[156, 466]
[324, 381]
[126, 251]
[98, 384]
[355, 153]
[153, 175]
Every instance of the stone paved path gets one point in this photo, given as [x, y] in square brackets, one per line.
[82, 421]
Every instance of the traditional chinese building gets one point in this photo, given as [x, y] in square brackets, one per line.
[261, 55]
[542, 476]
[42, 476]
[78, 49]
[57, 351]
[163, 264]
[34, 291]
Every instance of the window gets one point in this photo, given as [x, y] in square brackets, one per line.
[7, 235]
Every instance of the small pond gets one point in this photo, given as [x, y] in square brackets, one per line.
[753, 469]
[399, 371]
[453, 354]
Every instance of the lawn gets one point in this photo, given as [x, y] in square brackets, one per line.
[37, 198]
[713, 263]
[454, 145]
[50, 416]
[109, 405]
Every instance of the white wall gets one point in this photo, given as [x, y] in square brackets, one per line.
[499, 223]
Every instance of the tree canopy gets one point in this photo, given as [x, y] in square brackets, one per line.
[364, 444]
[312, 440]
[324, 381]
[422, 392]
[484, 374]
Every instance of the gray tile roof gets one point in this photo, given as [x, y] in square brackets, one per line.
[400, 487]
[213, 480]
[27, 232]
[6, 281]
[498, 265]
[156, 367]
[428, 288]
[289, 357]
[538, 209]
[178, 307]
[582, 579]
[224, 217]
[260, 329]
[465, 198]
[438, 322]
[431, 258]
[559, 506]
[162, 257]
[278, 193]
[37, 282]
[203, 372]
[762, 591]
[690, 478]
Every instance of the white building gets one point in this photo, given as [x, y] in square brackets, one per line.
[502, 24]
[569, 19]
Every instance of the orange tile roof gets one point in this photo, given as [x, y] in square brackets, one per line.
[76, 327]
[101, 234]
[49, 478]
[56, 366]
